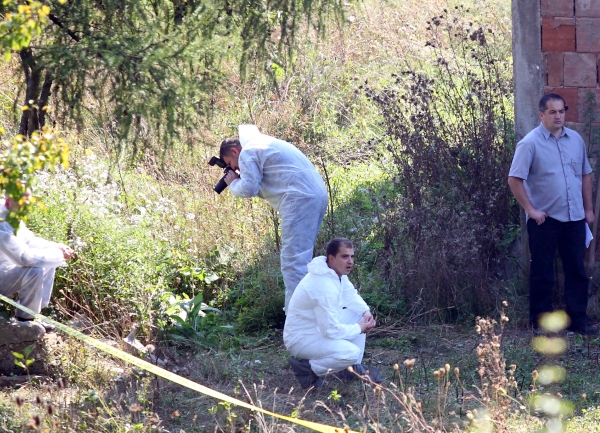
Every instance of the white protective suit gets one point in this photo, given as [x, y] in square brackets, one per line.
[27, 265]
[322, 321]
[278, 172]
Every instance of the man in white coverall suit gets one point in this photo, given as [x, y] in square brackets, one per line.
[27, 264]
[327, 322]
[278, 172]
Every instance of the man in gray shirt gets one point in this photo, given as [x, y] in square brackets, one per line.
[550, 177]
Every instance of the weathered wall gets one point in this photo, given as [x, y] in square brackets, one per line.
[570, 44]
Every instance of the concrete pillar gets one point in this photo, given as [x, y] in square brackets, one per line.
[527, 64]
[528, 81]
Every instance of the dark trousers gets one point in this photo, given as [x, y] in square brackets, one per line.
[569, 237]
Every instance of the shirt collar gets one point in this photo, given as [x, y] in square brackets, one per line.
[547, 133]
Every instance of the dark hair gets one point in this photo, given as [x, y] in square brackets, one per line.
[551, 97]
[333, 247]
[226, 146]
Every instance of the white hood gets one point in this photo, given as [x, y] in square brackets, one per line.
[250, 134]
[318, 266]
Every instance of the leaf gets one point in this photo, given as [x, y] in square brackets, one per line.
[18, 355]
[212, 277]
[179, 320]
[198, 299]
[28, 350]
[178, 337]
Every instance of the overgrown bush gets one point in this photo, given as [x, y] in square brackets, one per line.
[124, 265]
[448, 142]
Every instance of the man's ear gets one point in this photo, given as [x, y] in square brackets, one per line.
[235, 151]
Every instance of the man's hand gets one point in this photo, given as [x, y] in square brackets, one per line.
[518, 190]
[66, 250]
[538, 215]
[231, 176]
[367, 323]
[589, 216]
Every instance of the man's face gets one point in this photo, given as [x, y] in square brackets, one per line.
[342, 262]
[232, 158]
[553, 118]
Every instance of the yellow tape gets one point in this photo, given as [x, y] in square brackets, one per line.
[172, 376]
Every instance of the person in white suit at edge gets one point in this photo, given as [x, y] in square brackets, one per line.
[327, 322]
[27, 264]
[278, 172]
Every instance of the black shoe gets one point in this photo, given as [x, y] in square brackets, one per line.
[538, 332]
[345, 375]
[584, 330]
[372, 372]
[304, 374]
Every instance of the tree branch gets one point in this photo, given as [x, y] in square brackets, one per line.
[61, 25]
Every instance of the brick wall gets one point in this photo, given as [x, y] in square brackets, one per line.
[571, 54]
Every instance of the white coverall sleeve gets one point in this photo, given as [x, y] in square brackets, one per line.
[352, 300]
[327, 311]
[21, 254]
[32, 240]
[251, 174]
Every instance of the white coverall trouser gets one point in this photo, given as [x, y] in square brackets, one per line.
[33, 284]
[329, 356]
[301, 218]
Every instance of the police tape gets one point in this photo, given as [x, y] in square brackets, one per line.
[117, 353]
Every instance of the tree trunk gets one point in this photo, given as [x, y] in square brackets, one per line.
[33, 118]
[44, 99]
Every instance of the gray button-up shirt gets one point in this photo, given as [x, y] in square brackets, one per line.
[552, 170]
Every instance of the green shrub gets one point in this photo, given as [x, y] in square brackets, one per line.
[124, 263]
[258, 297]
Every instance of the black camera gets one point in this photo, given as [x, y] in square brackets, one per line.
[221, 184]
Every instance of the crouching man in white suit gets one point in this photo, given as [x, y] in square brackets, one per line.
[327, 320]
[27, 264]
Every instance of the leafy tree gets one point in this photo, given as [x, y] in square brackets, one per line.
[151, 66]
[22, 156]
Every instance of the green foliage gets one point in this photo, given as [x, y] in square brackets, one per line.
[21, 23]
[154, 67]
[119, 269]
[191, 320]
[125, 269]
[21, 159]
[23, 359]
[258, 296]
